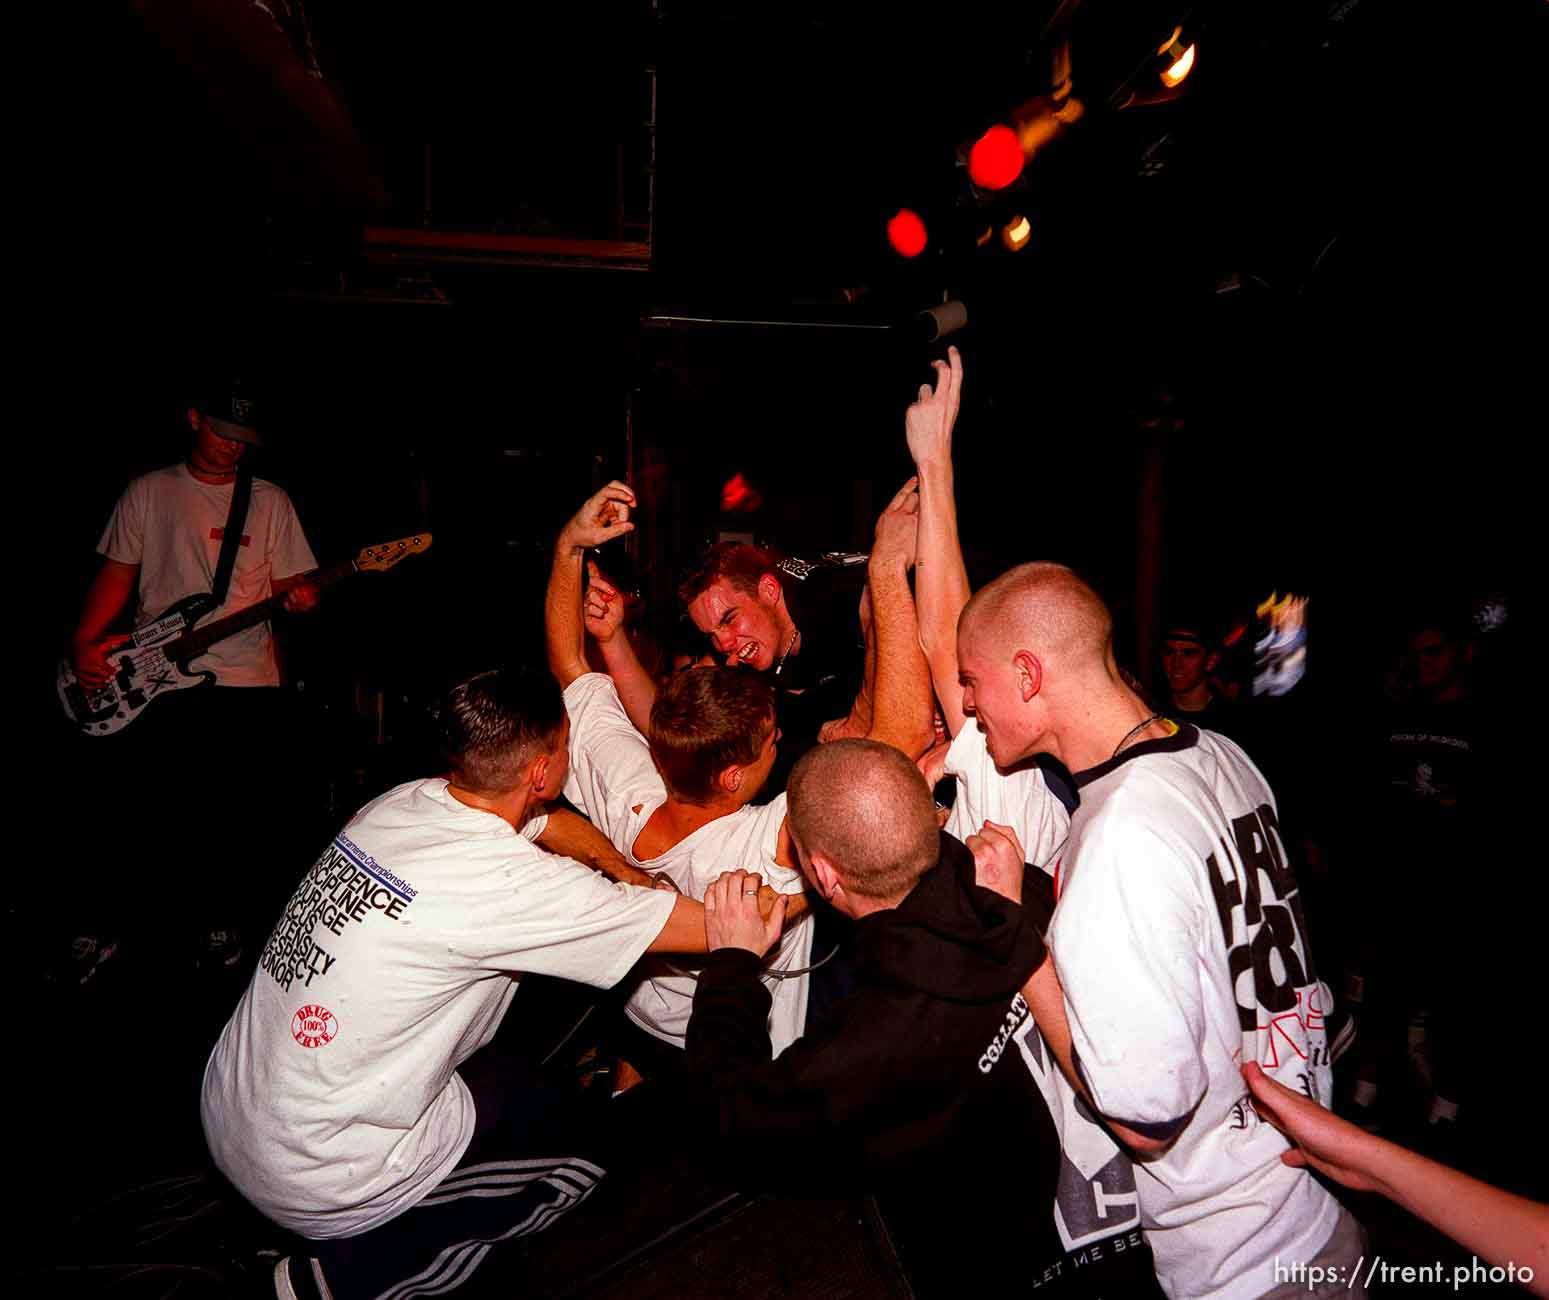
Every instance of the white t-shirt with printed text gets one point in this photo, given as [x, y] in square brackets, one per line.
[171, 525]
[330, 1100]
[615, 783]
[1179, 939]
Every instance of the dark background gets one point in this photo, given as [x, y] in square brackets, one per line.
[1281, 332]
[1302, 292]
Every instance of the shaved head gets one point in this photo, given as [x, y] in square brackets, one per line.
[1046, 609]
[865, 808]
[1035, 658]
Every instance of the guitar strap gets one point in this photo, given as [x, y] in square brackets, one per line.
[236, 520]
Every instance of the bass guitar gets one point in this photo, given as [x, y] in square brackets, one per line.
[155, 659]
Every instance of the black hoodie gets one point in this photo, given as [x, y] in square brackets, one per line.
[913, 1089]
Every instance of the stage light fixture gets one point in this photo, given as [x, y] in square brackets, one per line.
[906, 233]
[1180, 58]
[1016, 233]
[996, 159]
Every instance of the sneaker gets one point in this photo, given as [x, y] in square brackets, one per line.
[302, 1284]
[1363, 1106]
[1341, 1029]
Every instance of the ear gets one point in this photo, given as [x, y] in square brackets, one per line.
[1212, 661]
[825, 877]
[193, 418]
[730, 779]
[538, 771]
[769, 590]
[1029, 673]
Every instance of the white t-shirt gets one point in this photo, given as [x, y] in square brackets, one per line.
[615, 783]
[1179, 939]
[330, 1100]
[171, 525]
[1019, 799]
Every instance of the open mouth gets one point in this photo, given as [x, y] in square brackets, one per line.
[745, 655]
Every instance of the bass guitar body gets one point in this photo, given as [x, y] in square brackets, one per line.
[142, 671]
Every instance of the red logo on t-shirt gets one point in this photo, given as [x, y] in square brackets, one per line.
[314, 1026]
[219, 535]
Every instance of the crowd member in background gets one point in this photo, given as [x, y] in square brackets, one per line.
[1415, 1013]
[1189, 661]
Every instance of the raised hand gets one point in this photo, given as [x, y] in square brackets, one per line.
[898, 527]
[603, 612]
[928, 421]
[604, 516]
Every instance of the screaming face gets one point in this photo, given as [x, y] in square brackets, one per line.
[747, 629]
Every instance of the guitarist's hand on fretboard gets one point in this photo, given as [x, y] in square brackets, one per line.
[300, 597]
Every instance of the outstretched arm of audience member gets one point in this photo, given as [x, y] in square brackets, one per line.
[941, 581]
[571, 836]
[603, 616]
[603, 516]
[903, 707]
[1496, 1225]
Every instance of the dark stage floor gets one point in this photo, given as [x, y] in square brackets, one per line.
[128, 1205]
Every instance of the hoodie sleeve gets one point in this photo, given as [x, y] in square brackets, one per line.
[773, 1115]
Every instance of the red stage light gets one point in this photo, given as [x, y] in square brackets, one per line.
[738, 496]
[906, 233]
[995, 159]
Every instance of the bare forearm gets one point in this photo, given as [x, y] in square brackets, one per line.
[1046, 1000]
[571, 836]
[685, 929]
[1494, 1224]
[105, 600]
[902, 703]
[562, 614]
[941, 585]
[637, 690]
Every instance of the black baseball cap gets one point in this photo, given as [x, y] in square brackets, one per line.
[232, 413]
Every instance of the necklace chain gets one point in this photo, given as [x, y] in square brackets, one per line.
[790, 645]
[1135, 731]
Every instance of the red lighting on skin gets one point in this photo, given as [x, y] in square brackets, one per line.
[995, 159]
[906, 233]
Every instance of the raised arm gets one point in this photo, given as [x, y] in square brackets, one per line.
[941, 580]
[603, 617]
[902, 711]
[603, 516]
[1498, 1226]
